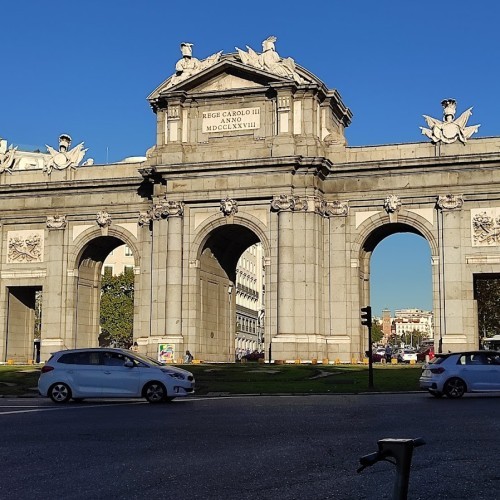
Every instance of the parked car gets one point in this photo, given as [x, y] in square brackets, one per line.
[111, 373]
[425, 351]
[254, 356]
[454, 374]
[378, 354]
[406, 355]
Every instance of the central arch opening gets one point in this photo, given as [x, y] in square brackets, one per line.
[231, 301]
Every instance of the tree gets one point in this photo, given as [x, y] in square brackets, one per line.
[377, 333]
[117, 309]
[488, 305]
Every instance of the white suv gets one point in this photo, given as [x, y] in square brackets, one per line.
[111, 373]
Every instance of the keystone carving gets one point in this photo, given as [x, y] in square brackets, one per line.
[103, 219]
[228, 207]
[450, 202]
[392, 204]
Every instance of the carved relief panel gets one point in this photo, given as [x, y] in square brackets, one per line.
[485, 227]
[25, 246]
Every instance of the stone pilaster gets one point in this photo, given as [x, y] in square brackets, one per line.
[54, 328]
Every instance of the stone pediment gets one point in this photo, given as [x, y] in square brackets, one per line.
[226, 75]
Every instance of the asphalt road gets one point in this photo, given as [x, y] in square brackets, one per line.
[297, 447]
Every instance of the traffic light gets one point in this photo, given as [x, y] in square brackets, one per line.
[366, 316]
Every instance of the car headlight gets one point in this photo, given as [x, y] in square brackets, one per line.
[173, 374]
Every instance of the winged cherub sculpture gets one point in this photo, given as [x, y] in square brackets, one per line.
[449, 130]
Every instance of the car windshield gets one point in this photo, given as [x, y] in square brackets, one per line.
[147, 359]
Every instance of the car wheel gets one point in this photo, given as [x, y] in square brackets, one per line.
[155, 392]
[455, 388]
[60, 393]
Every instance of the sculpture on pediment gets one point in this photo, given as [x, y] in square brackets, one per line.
[449, 130]
[229, 206]
[64, 157]
[189, 65]
[270, 61]
[7, 160]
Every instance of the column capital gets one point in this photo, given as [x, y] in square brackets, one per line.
[450, 202]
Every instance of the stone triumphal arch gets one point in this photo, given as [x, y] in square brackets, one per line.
[250, 148]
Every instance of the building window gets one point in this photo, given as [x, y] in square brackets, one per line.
[128, 251]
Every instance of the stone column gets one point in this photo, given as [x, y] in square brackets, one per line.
[299, 281]
[173, 314]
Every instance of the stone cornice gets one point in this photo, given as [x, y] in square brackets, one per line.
[473, 161]
[258, 165]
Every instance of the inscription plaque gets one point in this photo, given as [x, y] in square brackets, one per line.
[230, 120]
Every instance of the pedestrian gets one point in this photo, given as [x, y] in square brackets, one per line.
[134, 347]
[188, 358]
[388, 353]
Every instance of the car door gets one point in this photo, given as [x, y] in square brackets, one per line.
[478, 372]
[492, 371]
[83, 372]
[119, 380]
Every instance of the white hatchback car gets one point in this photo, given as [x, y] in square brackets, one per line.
[406, 355]
[456, 373]
[111, 373]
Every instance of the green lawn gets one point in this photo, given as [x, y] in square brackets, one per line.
[256, 378]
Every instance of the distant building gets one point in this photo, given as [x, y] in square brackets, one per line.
[118, 260]
[250, 300]
[410, 320]
[386, 323]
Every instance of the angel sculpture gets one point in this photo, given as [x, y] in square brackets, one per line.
[64, 158]
[449, 130]
[7, 160]
[270, 61]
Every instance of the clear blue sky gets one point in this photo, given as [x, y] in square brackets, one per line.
[85, 68]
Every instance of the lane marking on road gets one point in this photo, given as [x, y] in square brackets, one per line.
[44, 408]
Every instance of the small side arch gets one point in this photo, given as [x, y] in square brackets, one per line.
[373, 230]
[216, 221]
[114, 234]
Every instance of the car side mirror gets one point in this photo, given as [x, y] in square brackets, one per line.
[128, 364]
